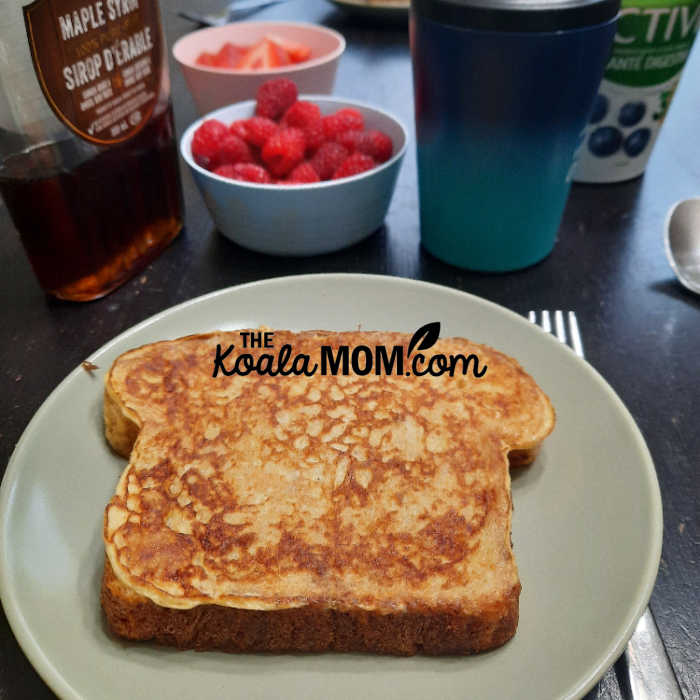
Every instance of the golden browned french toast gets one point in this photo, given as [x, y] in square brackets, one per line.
[368, 511]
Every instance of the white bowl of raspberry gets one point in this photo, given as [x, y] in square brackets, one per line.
[296, 175]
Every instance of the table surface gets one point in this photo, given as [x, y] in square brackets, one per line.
[641, 329]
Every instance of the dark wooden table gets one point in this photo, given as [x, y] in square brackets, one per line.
[641, 329]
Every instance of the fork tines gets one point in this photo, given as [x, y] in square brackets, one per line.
[571, 337]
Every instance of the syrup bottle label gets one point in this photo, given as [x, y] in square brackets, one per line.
[99, 64]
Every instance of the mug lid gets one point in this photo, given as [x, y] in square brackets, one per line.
[518, 15]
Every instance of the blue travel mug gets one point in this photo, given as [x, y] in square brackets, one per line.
[503, 90]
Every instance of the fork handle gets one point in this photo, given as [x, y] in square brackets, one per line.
[644, 671]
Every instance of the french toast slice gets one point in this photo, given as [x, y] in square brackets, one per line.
[350, 513]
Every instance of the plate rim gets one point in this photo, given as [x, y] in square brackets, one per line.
[393, 9]
[57, 682]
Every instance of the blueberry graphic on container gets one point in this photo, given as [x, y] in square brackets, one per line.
[632, 113]
[600, 108]
[636, 142]
[604, 141]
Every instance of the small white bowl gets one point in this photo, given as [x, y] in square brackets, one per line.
[301, 219]
[212, 88]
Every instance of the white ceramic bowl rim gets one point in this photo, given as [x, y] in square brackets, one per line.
[186, 140]
[320, 60]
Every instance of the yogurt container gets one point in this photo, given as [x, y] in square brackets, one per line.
[652, 43]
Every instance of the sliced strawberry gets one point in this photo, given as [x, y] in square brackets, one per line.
[297, 52]
[206, 59]
[282, 55]
[229, 55]
[262, 55]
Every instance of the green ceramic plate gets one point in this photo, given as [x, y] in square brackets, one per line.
[586, 528]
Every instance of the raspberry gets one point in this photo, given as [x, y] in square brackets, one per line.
[350, 139]
[354, 165]
[307, 117]
[275, 97]
[233, 149]
[227, 170]
[239, 128]
[328, 158]
[249, 172]
[259, 129]
[376, 144]
[342, 120]
[303, 173]
[206, 142]
[284, 150]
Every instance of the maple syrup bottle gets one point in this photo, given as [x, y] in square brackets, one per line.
[88, 159]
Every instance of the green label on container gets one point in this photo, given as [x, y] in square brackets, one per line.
[653, 40]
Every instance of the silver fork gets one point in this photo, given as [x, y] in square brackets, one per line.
[644, 671]
[236, 10]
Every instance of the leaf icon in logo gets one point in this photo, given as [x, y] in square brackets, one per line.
[425, 337]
